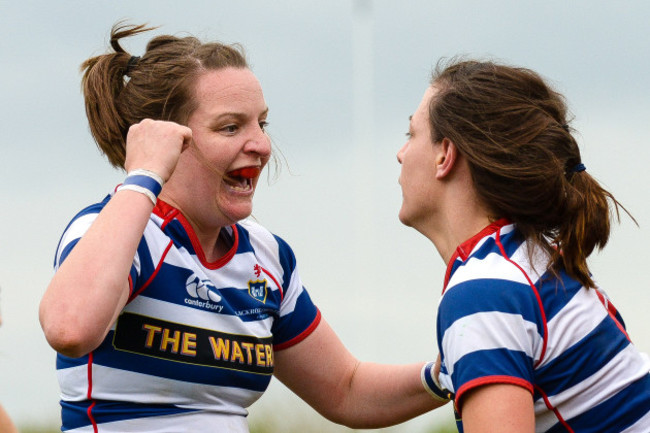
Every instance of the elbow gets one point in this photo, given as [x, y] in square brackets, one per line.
[66, 343]
[345, 414]
[355, 421]
[66, 337]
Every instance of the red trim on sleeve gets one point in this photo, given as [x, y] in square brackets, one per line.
[490, 380]
[155, 272]
[304, 334]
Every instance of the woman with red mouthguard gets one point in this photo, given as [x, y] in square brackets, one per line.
[170, 310]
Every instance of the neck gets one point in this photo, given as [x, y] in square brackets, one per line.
[214, 242]
[455, 227]
[460, 217]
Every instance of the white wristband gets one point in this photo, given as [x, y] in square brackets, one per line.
[431, 383]
[143, 181]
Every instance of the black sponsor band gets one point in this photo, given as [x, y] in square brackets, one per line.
[182, 343]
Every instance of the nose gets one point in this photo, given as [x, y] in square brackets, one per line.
[401, 152]
[259, 144]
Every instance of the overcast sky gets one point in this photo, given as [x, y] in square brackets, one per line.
[341, 79]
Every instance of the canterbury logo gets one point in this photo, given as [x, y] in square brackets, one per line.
[201, 289]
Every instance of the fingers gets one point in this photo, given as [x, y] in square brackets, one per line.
[156, 145]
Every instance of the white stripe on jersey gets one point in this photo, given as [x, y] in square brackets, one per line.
[156, 243]
[291, 298]
[592, 390]
[466, 335]
[228, 399]
[75, 231]
[73, 382]
[491, 267]
[229, 324]
[158, 390]
[261, 240]
[192, 422]
[578, 318]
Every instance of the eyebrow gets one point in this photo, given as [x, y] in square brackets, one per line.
[239, 115]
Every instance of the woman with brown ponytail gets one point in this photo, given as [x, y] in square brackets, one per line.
[492, 175]
[170, 310]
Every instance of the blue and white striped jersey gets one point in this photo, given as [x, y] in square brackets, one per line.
[195, 344]
[505, 319]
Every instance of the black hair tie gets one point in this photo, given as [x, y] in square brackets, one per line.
[133, 61]
[578, 168]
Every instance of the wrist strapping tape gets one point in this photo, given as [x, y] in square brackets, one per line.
[143, 181]
[431, 383]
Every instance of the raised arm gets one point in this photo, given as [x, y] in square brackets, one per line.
[347, 391]
[91, 287]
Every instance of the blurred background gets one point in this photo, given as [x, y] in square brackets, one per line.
[341, 78]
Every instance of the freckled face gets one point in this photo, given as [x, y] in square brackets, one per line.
[218, 173]
[417, 176]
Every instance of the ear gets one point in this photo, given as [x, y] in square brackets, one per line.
[446, 158]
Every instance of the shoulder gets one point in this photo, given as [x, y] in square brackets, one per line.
[262, 238]
[77, 227]
[269, 248]
[497, 278]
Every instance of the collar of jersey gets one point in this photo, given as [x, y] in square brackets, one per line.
[464, 250]
[185, 232]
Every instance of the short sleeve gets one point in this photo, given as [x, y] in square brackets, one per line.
[78, 227]
[298, 316]
[489, 331]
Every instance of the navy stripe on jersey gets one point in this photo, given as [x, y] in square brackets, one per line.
[495, 362]
[484, 295]
[489, 246]
[68, 248]
[175, 230]
[239, 299]
[92, 209]
[303, 320]
[287, 260]
[147, 265]
[617, 416]
[244, 241]
[63, 361]
[583, 359]
[75, 413]
[556, 293]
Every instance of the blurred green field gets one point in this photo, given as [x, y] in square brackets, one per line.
[254, 429]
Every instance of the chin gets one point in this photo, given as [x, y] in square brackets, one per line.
[403, 217]
[239, 213]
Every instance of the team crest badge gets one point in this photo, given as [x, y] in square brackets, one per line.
[257, 290]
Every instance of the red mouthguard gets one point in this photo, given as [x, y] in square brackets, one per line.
[246, 172]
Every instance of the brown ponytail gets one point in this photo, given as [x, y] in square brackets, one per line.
[121, 90]
[513, 130]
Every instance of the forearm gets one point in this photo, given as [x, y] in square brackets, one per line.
[91, 286]
[382, 395]
[360, 395]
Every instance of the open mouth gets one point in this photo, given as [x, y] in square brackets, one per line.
[242, 178]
